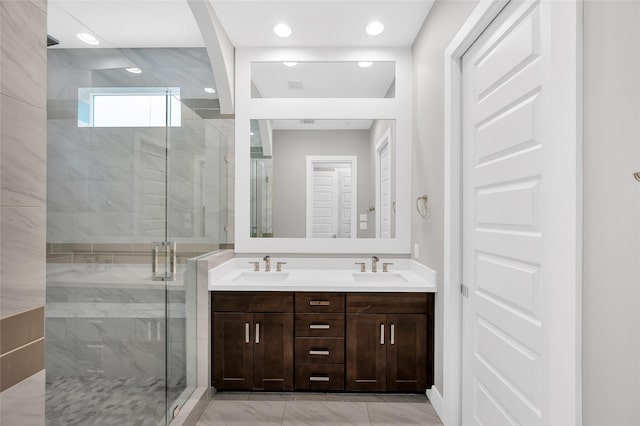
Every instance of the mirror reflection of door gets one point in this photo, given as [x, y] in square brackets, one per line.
[331, 196]
[383, 187]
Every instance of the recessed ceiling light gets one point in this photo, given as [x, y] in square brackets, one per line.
[88, 38]
[282, 30]
[375, 28]
[290, 64]
[365, 64]
[210, 90]
[134, 70]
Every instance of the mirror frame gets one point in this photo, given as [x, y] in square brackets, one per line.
[398, 109]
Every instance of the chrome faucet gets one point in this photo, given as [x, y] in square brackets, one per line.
[374, 263]
[267, 263]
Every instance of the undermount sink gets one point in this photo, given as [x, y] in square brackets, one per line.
[262, 276]
[378, 277]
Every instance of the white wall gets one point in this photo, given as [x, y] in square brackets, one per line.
[290, 150]
[441, 25]
[611, 286]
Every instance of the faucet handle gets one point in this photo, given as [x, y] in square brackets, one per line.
[279, 266]
[256, 266]
[363, 266]
[385, 266]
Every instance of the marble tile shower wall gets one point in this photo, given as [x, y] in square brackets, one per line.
[114, 330]
[106, 185]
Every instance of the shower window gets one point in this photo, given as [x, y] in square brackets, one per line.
[129, 107]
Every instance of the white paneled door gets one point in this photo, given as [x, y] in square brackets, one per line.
[512, 175]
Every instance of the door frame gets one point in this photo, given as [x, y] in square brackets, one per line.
[352, 161]
[567, 336]
[385, 140]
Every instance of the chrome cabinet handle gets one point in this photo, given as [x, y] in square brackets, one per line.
[319, 326]
[318, 352]
[392, 338]
[318, 379]
[382, 334]
[319, 303]
[247, 336]
[257, 332]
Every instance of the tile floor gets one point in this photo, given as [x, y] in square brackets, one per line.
[318, 409]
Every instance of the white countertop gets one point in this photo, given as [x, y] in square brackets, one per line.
[322, 274]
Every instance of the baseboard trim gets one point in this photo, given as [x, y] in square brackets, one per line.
[437, 402]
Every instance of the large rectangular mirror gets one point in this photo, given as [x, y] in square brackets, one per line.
[323, 178]
[350, 79]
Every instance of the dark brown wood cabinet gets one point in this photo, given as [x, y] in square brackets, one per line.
[253, 350]
[319, 341]
[389, 343]
[372, 342]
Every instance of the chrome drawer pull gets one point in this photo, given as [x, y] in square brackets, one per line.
[393, 334]
[382, 334]
[319, 303]
[319, 326]
[318, 379]
[318, 352]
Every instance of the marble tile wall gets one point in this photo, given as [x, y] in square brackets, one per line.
[23, 71]
[106, 185]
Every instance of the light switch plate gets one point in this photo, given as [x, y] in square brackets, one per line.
[363, 225]
[363, 217]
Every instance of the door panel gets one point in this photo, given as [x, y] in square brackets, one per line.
[273, 352]
[503, 238]
[233, 351]
[366, 352]
[407, 353]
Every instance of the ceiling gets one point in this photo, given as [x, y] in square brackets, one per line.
[321, 22]
[170, 23]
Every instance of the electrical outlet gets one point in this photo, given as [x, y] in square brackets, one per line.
[416, 251]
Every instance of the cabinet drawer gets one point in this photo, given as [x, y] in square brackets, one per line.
[389, 303]
[265, 301]
[319, 302]
[319, 325]
[319, 351]
[320, 376]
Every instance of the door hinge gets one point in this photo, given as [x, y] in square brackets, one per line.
[464, 290]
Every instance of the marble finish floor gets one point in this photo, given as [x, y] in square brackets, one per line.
[318, 409]
[84, 401]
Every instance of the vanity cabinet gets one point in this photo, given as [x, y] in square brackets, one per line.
[319, 341]
[389, 342]
[253, 340]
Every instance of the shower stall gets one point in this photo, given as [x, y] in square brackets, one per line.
[138, 183]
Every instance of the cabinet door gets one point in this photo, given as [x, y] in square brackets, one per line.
[232, 351]
[366, 352]
[273, 352]
[407, 353]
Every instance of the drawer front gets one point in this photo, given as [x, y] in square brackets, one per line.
[320, 376]
[266, 301]
[319, 325]
[389, 303]
[319, 351]
[319, 302]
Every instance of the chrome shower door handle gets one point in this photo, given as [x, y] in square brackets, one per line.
[173, 255]
[170, 275]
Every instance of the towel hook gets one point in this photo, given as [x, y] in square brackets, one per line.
[636, 175]
[422, 206]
